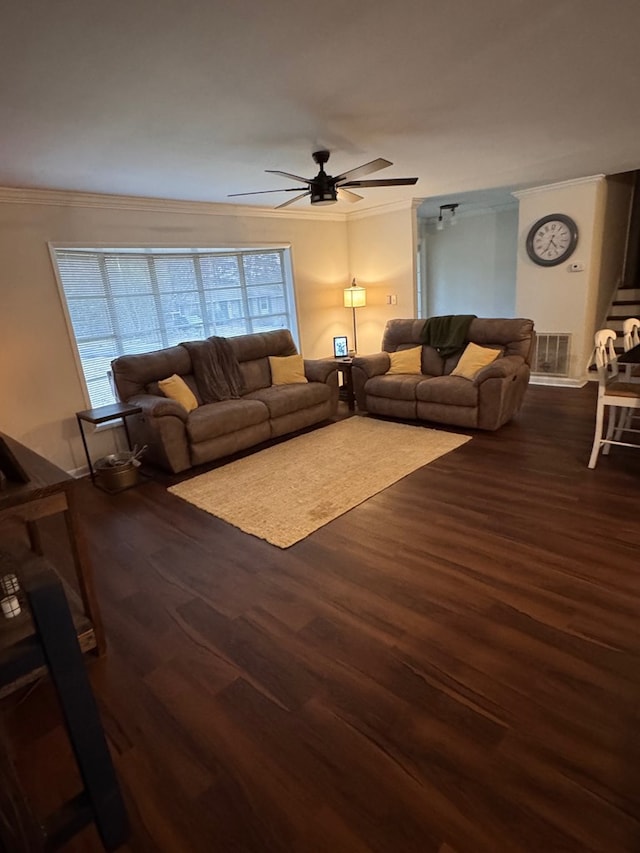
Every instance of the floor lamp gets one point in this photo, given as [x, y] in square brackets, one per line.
[355, 297]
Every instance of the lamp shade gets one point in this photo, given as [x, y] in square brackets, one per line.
[355, 296]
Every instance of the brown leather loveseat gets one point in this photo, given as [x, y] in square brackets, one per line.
[486, 402]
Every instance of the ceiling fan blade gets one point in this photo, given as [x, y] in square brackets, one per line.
[288, 175]
[388, 182]
[260, 192]
[347, 195]
[291, 200]
[365, 169]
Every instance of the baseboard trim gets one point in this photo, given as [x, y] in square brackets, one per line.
[79, 473]
[562, 381]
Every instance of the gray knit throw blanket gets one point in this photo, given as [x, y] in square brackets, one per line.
[215, 369]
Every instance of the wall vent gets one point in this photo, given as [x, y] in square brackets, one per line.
[552, 354]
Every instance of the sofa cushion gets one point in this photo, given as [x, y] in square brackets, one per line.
[133, 374]
[405, 361]
[177, 389]
[282, 400]
[450, 390]
[253, 351]
[402, 387]
[287, 370]
[188, 379]
[473, 359]
[515, 335]
[215, 419]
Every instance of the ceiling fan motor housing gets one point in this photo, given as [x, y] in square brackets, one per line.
[323, 192]
[322, 187]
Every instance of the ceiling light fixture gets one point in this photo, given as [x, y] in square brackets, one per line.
[451, 210]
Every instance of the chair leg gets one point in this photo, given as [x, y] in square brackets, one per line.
[624, 422]
[597, 438]
[611, 425]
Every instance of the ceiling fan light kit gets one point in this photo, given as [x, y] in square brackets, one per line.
[327, 189]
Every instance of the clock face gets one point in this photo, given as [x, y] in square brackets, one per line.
[552, 239]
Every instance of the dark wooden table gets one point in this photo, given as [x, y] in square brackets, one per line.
[51, 491]
[628, 360]
[632, 356]
[347, 394]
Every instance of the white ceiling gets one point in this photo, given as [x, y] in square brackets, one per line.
[195, 99]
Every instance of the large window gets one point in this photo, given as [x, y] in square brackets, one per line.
[123, 301]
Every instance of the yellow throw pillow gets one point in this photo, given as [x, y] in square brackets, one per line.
[287, 370]
[473, 359]
[177, 389]
[406, 361]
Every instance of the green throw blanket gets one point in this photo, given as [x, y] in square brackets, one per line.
[447, 334]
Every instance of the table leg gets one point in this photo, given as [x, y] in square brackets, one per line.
[35, 542]
[86, 450]
[84, 572]
[126, 430]
[348, 381]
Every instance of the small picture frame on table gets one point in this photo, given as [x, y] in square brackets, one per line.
[340, 347]
[9, 465]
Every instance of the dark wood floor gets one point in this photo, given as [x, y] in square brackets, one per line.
[451, 667]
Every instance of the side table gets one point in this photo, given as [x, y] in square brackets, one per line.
[346, 389]
[101, 415]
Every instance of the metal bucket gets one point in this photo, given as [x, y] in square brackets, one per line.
[116, 472]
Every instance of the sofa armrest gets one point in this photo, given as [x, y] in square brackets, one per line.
[364, 367]
[162, 427]
[372, 365]
[154, 406]
[499, 369]
[320, 370]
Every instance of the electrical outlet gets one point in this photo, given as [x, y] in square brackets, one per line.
[394, 299]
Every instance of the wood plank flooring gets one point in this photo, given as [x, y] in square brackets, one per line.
[451, 667]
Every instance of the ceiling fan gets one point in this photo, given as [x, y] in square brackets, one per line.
[327, 189]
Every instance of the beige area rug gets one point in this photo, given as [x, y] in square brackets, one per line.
[284, 493]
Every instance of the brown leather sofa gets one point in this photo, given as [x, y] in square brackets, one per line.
[489, 400]
[176, 440]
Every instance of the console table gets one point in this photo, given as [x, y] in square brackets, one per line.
[51, 491]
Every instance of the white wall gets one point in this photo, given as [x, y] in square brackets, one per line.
[556, 299]
[40, 389]
[382, 258]
[471, 268]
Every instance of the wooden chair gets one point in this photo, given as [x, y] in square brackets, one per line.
[631, 333]
[631, 339]
[622, 398]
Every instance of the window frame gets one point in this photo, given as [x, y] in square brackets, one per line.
[291, 305]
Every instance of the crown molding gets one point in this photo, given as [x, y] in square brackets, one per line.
[378, 210]
[67, 198]
[561, 185]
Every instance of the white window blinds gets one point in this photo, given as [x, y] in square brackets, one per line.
[122, 302]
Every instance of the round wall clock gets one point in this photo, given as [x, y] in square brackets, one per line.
[552, 239]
